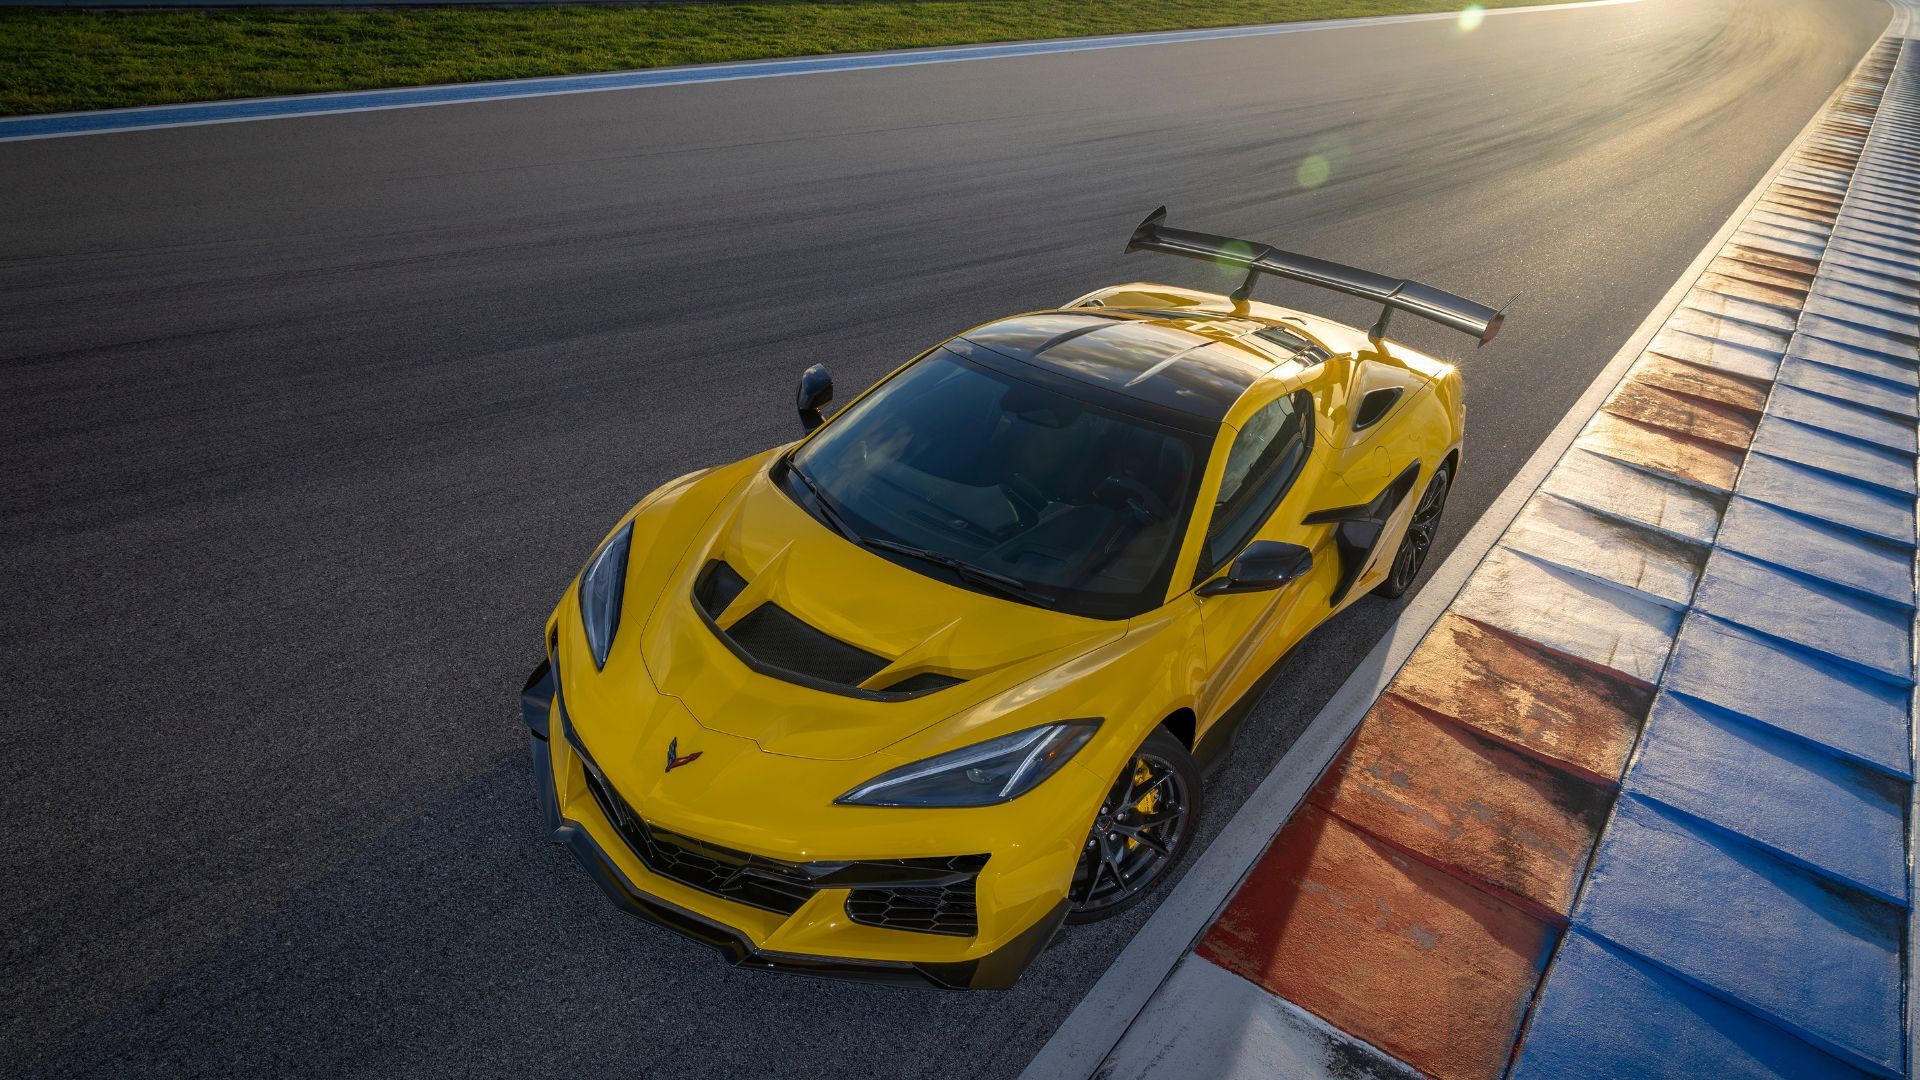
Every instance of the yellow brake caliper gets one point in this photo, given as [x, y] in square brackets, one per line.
[1141, 774]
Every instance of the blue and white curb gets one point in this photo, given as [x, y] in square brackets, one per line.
[1752, 899]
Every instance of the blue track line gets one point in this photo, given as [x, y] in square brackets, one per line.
[54, 125]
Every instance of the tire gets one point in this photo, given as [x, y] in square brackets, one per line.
[1418, 541]
[1124, 861]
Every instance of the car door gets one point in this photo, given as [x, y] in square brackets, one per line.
[1274, 462]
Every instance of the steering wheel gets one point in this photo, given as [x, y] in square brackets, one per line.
[1025, 497]
[1124, 492]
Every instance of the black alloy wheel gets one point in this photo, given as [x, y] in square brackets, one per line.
[1145, 824]
[1418, 541]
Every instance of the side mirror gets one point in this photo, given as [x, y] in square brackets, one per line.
[1264, 565]
[816, 389]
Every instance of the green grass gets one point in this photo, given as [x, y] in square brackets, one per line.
[58, 60]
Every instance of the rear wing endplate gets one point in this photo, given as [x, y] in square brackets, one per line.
[1393, 294]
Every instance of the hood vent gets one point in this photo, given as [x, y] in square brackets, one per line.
[924, 683]
[717, 588]
[773, 636]
[773, 641]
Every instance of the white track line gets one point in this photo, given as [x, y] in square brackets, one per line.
[106, 121]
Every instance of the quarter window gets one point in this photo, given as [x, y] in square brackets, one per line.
[1262, 464]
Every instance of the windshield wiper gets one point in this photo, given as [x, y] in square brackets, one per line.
[977, 575]
[827, 509]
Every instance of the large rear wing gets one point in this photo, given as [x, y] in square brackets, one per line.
[1394, 294]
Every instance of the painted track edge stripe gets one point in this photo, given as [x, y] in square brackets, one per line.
[243, 110]
[1096, 1025]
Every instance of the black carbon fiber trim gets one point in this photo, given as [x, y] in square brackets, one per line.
[773, 636]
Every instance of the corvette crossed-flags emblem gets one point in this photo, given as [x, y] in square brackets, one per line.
[674, 760]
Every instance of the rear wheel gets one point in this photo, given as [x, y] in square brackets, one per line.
[1418, 541]
[1144, 827]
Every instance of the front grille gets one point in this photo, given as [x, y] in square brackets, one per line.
[783, 887]
[948, 909]
[696, 864]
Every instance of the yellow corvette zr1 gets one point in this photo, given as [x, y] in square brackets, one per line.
[897, 700]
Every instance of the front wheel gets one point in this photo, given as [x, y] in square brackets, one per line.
[1145, 824]
[1419, 539]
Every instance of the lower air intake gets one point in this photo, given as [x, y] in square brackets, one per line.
[947, 909]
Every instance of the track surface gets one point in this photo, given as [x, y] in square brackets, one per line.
[309, 421]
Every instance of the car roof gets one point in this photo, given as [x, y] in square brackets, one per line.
[1192, 363]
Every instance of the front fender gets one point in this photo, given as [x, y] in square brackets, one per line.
[665, 524]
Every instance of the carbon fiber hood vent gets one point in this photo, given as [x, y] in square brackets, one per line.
[776, 643]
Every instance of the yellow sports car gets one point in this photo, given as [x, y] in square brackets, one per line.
[897, 700]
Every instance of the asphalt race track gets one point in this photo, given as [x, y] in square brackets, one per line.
[308, 422]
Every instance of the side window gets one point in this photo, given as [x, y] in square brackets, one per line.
[1262, 464]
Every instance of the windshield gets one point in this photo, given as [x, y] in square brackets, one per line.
[1007, 487]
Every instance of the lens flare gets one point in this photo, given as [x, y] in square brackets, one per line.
[1472, 16]
[1235, 253]
[1326, 158]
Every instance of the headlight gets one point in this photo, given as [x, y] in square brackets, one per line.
[979, 775]
[601, 584]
